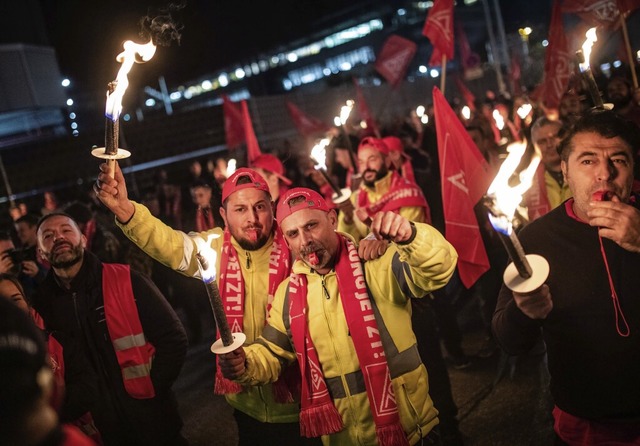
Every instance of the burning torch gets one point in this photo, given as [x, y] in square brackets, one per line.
[583, 55]
[341, 121]
[527, 272]
[206, 256]
[133, 52]
[318, 155]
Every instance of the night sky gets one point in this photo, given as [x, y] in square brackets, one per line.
[88, 34]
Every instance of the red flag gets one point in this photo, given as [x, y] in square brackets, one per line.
[233, 128]
[465, 178]
[600, 12]
[469, 98]
[364, 111]
[253, 149]
[558, 62]
[469, 60]
[627, 6]
[394, 59]
[516, 75]
[306, 125]
[438, 28]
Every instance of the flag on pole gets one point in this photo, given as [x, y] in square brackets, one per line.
[465, 178]
[365, 112]
[558, 62]
[469, 98]
[233, 127]
[628, 6]
[253, 149]
[516, 75]
[394, 59]
[438, 28]
[469, 60]
[600, 12]
[306, 125]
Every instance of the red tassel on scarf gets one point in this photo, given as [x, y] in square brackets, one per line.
[320, 420]
[224, 386]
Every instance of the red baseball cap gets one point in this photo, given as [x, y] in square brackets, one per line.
[231, 184]
[313, 200]
[375, 143]
[272, 164]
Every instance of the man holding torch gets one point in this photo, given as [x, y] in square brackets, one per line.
[348, 325]
[252, 260]
[588, 311]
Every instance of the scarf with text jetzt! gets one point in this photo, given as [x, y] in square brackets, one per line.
[233, 295]
[318, 415]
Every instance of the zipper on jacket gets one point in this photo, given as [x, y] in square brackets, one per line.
[414, 410]
[248, 259]
[324, 289]
[75, 308]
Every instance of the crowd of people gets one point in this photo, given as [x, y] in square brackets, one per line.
[346, 302]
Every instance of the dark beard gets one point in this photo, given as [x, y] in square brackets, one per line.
[380, 174]
[249, 245]
[77, 251]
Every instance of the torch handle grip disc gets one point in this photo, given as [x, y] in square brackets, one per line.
[345, 194]
[539, 274]
[101, 152]
[220, 349]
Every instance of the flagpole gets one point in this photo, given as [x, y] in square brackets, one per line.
[7, 185]
[494, 47]
[627, 44]
[443, 79]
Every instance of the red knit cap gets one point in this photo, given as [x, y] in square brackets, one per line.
[313, 200]
[374, 143]
[230, 185]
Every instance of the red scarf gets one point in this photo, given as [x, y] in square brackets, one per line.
[318, 415]
[204, 219]
[537, 199]
[406, 169]
[233, 296]
[402, 193]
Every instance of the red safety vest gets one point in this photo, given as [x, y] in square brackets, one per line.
[134, 353]
[56, 360]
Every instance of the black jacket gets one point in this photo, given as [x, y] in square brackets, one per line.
[92, 375]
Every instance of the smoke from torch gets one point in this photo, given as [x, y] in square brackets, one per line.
[159, 29]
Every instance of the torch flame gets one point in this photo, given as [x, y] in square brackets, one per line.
[524, 110]
[133, 52]
[586, 48]
[497, 117]
[231, 167]
[319, 153]
[507, 198]
[345, 111]
[205, 250]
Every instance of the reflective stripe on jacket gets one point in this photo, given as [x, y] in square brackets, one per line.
[133, 351]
